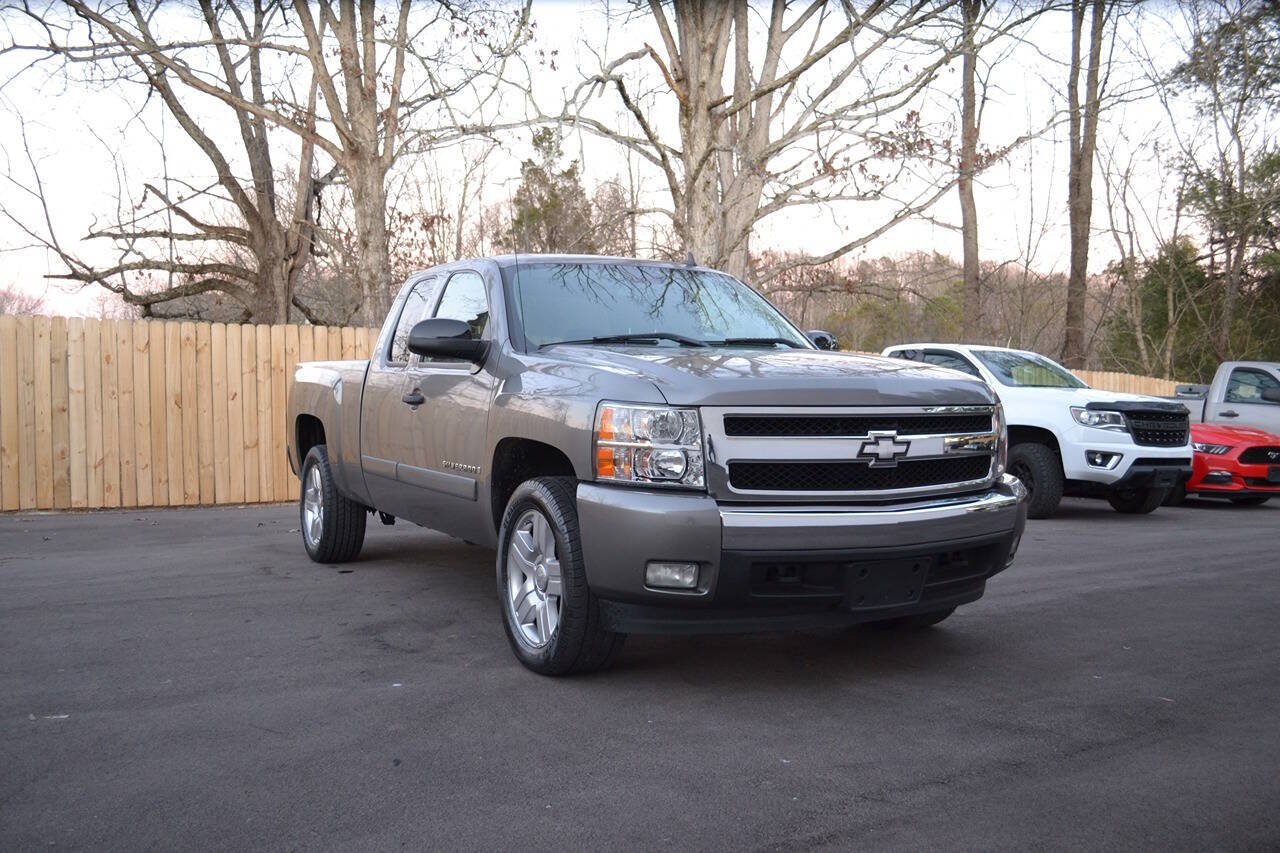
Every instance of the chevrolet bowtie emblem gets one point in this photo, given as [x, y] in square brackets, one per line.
[883, 449]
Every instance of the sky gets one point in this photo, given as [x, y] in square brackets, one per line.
[87, 142]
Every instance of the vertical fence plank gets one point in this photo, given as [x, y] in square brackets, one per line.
[348, 343]
[335, 343]
[44, 413]
[26, 413]
[320, 337]
[306, 343]
[266, 478]
[173, 396]
[291, 346]
[60, 413]
[9, 486]
[161, 400]
[93, 409]
[218, 386]
[279, 466]
[110, 415]
[127, 432]
[204, 413]
[141, 414]
[235, 418]
[190, 416]
[249, 393]
[77, 414]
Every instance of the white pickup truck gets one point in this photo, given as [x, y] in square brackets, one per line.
[1068, 438]
[1242, 394]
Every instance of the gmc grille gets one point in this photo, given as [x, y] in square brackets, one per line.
[1158, 429]
[855, 476]
[849, 425]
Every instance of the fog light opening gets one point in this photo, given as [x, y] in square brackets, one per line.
[669, 575]
[1102, 459]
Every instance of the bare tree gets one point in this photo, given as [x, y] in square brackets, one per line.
[16, 301]
[972, 14]
[1083, 134]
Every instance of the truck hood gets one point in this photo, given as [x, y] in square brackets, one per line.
[754, 377]
[1015, 398]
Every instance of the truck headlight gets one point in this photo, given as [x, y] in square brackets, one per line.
[1215, 449]
[1100, 418]
[655, 445]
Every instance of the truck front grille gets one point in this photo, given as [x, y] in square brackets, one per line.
[1158, 429]
[1261, 456]
[850, 425]
[855, 476]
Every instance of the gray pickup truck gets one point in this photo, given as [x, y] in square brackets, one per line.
[1242, 394]
[653, 447]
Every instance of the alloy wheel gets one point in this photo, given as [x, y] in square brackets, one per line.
[534, 585]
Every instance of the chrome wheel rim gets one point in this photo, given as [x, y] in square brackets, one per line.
[533, 579]
[313, 508]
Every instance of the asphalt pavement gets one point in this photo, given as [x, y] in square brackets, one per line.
[181, 679]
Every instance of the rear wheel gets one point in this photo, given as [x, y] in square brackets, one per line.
[1039, 469]
[332, 524]
[552, 619]
[1136, 501]
[1177, 495]
[918, 620]
[1251, 500]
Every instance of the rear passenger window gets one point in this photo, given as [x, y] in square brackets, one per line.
[1247, 384]
[955, 362]
[417, 307]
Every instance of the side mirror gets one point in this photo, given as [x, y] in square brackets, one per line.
[443, 338]
[1271, 395]
[822, 340]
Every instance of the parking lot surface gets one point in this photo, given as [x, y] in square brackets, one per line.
[178, 679]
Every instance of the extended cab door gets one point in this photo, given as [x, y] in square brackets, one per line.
[1242, 403]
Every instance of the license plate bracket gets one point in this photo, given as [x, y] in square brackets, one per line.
[885, 583]
[1165, 479]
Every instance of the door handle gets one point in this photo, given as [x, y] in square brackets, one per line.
[1230, 414]
[414, 398]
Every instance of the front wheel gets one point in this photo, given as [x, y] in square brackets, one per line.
[1136, 501]
[1251, 500]
[1040, 471]
[552, 619]
[332, 523]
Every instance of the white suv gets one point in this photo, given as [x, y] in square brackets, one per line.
[1065, 437]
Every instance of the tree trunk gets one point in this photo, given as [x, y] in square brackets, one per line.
[968, 166]
[372, 261]
[1083, 143]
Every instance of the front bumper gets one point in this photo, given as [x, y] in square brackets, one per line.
[786, 567]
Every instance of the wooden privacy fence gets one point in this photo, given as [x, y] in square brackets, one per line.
[102, 413]
[131, 413]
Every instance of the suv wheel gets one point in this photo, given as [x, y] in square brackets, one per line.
[1039, 469]
[1136, 501]
[1251, 500]
[552, 619]
[332, 524]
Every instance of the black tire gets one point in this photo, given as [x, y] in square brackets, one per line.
[342, 521]
[1040, 470]
[1251, 500]
[1177, 495]
[916, 621]
[1136, 501]
[580, 641]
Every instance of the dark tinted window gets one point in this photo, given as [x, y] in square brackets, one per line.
[464, 299]
[1247, 384]
[417, 306]
[955, 362]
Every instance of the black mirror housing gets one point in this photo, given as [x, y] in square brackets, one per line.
[823, 340]
[440, 337]
[1271, 395]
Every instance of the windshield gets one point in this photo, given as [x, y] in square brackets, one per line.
[1027, 370]
[581, 302]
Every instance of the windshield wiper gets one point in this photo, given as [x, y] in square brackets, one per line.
[755, 342]
[637, 337]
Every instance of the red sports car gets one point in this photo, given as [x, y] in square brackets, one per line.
[1238, 463]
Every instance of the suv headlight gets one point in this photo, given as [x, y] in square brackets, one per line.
[1215, 449]
[649, 445]
[1100, 418]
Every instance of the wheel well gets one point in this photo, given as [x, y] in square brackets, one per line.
[518, 459]
[309, 432]
[1037, 435]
